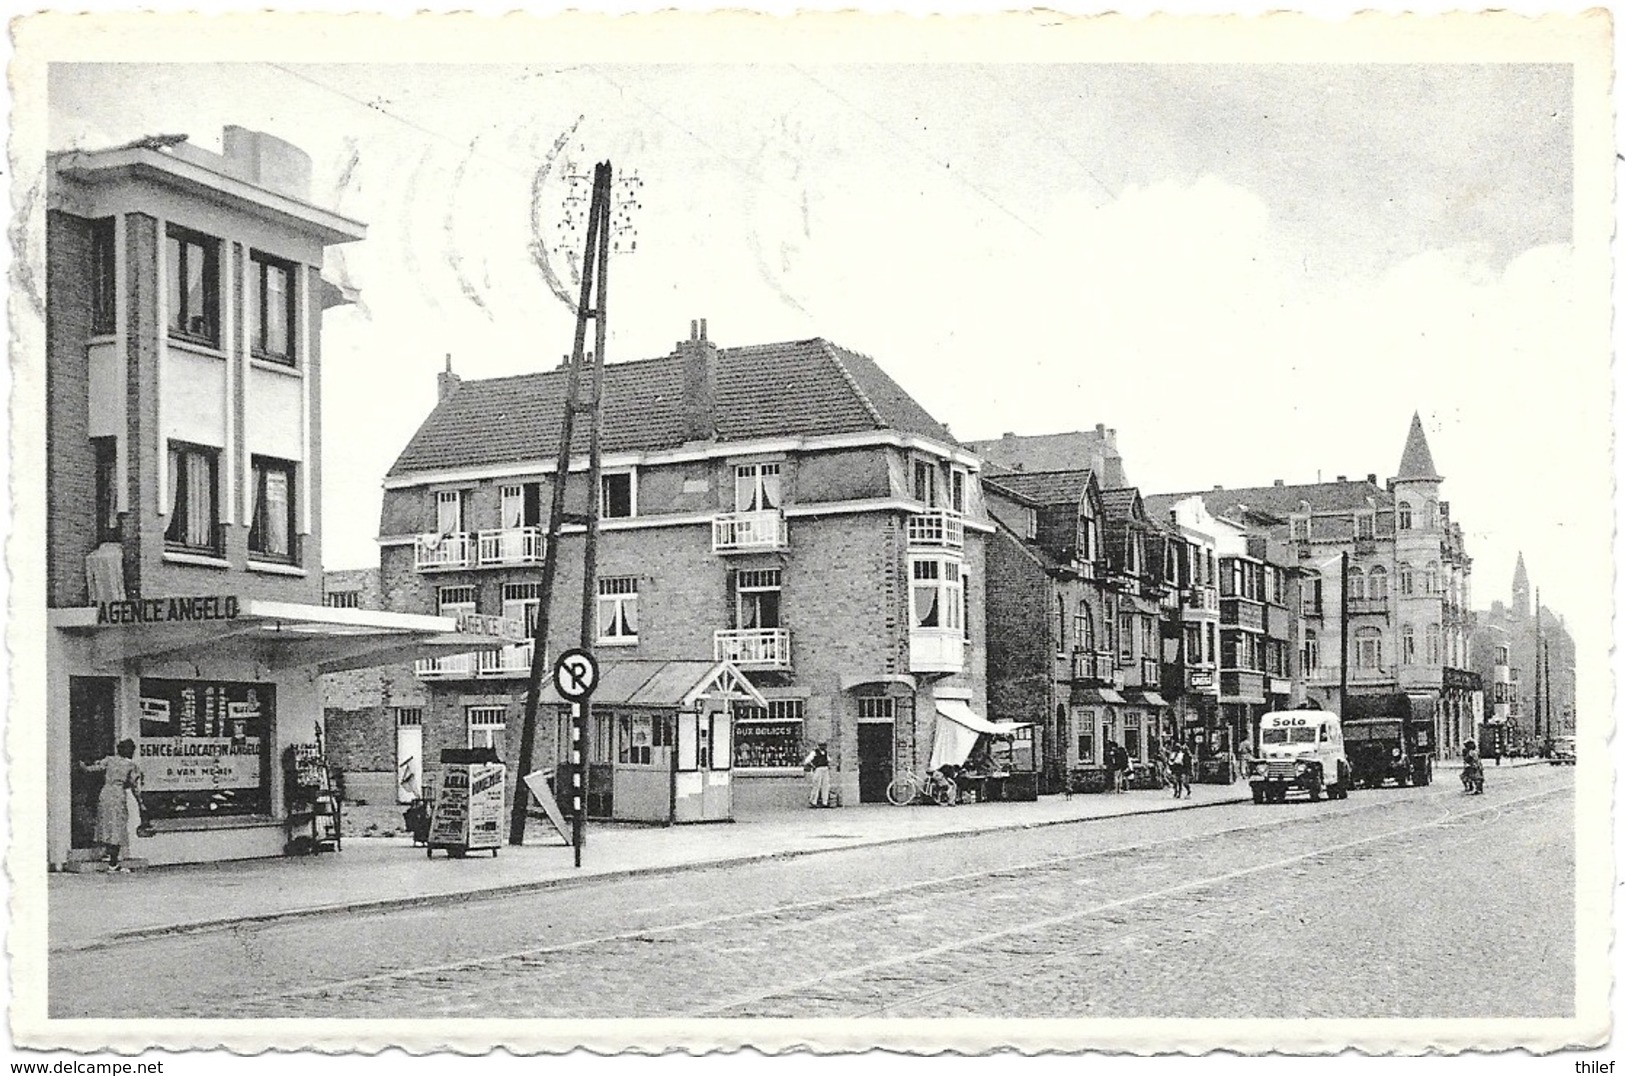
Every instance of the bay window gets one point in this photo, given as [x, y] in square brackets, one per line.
[936, 598]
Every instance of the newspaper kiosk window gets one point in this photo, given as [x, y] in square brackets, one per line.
[203, 748]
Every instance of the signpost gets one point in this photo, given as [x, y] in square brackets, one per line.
[575, 674]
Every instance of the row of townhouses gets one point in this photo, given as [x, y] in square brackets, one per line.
[789, 509]
[792, 552]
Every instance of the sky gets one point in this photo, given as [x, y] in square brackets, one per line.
[1250, 272]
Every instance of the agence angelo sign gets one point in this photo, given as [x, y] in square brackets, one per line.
[168, 610]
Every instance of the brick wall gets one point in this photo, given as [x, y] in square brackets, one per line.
[1022, 619]
[70, 526]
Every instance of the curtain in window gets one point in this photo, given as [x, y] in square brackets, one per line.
[628, 616]
[449, 513]
[196, 308]
[276, 310]
[177, 303]
[513, 507]
[925, 605]
[276, 512]
[770, 488]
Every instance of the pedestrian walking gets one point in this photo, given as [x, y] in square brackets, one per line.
[120, 777]
[816, 766]
[1179, 765]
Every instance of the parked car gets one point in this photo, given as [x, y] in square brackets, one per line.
[1562, 751]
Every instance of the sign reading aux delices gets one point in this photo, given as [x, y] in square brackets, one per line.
[168, 610]
[193, 764]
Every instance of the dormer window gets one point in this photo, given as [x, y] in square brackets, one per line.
[1300, 528]
[1365, 526]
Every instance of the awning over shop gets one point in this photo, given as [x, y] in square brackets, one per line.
[1145, 698]
[1096, 696]
[958, 729]
[279, 635]
[665, 685]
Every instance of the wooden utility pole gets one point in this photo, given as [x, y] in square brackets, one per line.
[1537, 669]
[594, 270]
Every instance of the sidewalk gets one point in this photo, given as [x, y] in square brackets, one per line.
[87, 910]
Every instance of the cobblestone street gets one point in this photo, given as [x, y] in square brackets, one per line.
[1357, 908]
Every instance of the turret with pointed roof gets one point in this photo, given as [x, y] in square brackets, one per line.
[1520, 590]
[1417, 461]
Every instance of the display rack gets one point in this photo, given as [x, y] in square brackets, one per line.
[315, 822]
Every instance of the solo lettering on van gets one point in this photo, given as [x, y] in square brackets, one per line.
[168, 610]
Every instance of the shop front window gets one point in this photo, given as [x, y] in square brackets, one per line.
[770, 738]
[203, 748]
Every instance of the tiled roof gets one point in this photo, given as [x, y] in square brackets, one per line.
[1283, 500]
[1046, 488]
[1118, 503]
[802, 388]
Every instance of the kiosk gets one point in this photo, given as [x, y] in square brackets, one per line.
[660, 742]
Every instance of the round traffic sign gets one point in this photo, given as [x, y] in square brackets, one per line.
[575, 674]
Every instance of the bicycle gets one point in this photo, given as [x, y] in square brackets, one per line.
[933, 786]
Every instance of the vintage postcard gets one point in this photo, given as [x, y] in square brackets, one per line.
[688, 532]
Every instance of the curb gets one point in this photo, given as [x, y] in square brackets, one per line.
[573, 881]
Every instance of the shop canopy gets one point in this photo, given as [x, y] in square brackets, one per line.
[1146, 698]
[958, 726]
[665, 685]
[278, 635]
[1096, 696]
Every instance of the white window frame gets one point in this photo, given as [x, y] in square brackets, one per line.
[928, 467]
[958, 489]
[756, 484]
[615, 594]
[631, 474]
[947, 580]
[448, 499]
[754, 581]
[1368, 649]
[482, 728]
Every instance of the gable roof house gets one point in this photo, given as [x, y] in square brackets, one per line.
[786, 507]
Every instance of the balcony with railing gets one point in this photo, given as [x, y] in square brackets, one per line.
[508, 662]
[511, 545]
[449, 667]
[749, 532]
[1363, 606]
[753, 648]
[937, 528]
[440, 552]
[1088, 667]
[1240, 613]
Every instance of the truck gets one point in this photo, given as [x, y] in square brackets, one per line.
[1389, 738]
[1299, 750]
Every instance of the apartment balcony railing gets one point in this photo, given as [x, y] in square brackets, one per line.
[936, 650]
[512, 545]
[937, 527]
[1092, 668]
[438, 552]
[510, 661]
[749, 532]
[753, 648]
[1242, 614]
[450, 667]
[1367, 605]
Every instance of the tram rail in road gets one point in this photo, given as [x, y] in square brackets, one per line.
[903, 963]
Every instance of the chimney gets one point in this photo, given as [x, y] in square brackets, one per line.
[266, 161]
[1371, 478]
[1008, 436]
[1279, 482]
[699, 370]
[1100, 430]
[447, 380]
[1342, 478]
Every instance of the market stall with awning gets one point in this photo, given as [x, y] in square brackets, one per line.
[981, 755]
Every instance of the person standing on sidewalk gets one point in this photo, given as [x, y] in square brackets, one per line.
[121, 777]
[1179, 766]
[816, 765]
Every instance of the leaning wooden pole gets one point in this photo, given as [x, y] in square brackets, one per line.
[597, 221]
